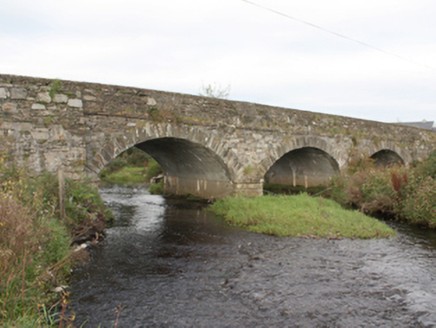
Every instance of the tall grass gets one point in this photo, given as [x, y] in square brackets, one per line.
[299, 216]
[35, 244]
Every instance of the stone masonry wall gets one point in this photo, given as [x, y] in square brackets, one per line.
[81, 126]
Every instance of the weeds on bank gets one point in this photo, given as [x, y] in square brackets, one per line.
[406, 193]
[35, 252]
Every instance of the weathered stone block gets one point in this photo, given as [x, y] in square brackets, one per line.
[18, 93]
[37, 106]
[60, 98]
[16, 126]
[89, 98]
[44, 97]
[3, 93]
[53, 160]
[57, 132]
[77, 103]
[10, 108]
[151, 101]
[40, 134]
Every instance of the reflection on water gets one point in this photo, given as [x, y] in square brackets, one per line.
[172, 264]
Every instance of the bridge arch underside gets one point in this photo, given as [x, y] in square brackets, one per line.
[190, 168]
[307, 166]
[386, 157]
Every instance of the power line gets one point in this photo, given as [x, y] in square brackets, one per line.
[338, 34]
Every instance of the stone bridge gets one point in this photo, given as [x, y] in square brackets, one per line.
[208, 147]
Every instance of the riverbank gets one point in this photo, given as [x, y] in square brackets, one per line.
[37, 249]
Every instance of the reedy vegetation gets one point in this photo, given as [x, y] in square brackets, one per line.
[407, 194]
[35, 244]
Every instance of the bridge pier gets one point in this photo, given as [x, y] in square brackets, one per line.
[204, 188]
[249, 189]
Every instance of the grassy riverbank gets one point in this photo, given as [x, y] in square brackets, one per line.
[36, 255]
[299, 216]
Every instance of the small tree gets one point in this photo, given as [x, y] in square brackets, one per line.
[214, 91]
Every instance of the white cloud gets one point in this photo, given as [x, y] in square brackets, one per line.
[175, 46]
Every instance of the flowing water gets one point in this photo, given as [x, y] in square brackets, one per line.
[169, 263]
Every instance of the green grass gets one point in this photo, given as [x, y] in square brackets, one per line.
[127, 175]
[299, 216]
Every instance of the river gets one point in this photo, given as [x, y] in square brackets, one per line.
[169, 263]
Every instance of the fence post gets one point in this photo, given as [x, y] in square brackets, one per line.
[61, 193]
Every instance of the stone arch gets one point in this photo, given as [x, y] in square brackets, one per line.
[304, 161]
[329, 146]
[194, 161]
[190, 167]
[386, 157]
[389, 152]
[306, 166]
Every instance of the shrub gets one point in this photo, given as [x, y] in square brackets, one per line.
[409, 194]
[157, 188]
[417, 203]
[35, 244]
[427, 167]
[153, 170]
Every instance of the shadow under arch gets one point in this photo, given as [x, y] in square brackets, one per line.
[190, 168]
[306, 166]
[386, 157]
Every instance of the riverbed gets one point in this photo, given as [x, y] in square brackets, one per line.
[170, 263]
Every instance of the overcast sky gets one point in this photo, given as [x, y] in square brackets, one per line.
[266, 58]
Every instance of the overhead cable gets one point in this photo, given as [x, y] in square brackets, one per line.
[338, 34]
